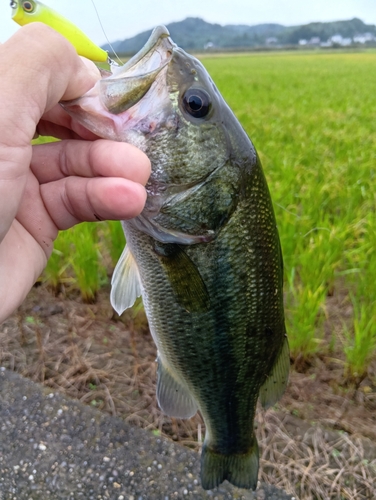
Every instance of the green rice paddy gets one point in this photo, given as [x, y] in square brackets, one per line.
[312, 118]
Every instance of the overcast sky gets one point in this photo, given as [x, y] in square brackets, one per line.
[124, 18]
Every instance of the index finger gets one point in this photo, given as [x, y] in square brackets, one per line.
[101, 158]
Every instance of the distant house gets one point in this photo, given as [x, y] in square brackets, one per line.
[364, 38]
[369, 37]
[340, 40]
[359, 39]
[346, 42]
[315, 40]
[272, 40]
[336, 39]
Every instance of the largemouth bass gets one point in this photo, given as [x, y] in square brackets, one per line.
[205, 252]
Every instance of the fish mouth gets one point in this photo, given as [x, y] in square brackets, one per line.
[109, 108]
[129, 83]
[159, 44]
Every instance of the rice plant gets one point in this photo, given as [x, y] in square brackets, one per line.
[115, 240]
[85, 260]
[312, 119]
[361, 341]
[305, 316]
[56, 270]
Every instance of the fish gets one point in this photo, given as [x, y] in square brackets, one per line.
[30, 11]
[204, 253]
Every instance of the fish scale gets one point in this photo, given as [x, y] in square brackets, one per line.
[204, 253]
[176, 338]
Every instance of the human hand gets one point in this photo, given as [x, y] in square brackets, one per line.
[50, 187]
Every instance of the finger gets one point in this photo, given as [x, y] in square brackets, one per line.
[58, 123]
[45, 128]
[21, 262]
[12, 183]
[52, 71]
[54, 161]
[75, 199]
[34, 217]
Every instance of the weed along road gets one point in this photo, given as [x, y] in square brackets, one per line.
[54, 447]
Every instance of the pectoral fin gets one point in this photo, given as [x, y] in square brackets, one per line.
[173, 398]
[275, 384]
[125, 283]
[184, 277]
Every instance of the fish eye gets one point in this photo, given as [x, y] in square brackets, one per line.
[28, 6]
[197, 102]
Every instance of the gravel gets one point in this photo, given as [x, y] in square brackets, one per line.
[54, 448]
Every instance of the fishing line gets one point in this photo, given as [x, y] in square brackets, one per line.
[108, 41]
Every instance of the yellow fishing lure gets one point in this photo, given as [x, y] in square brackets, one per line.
[29, 11]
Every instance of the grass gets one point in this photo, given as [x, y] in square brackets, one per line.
[84, 256]
[312, 118]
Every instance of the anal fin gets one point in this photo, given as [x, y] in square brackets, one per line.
[173, 398]
[276, 382]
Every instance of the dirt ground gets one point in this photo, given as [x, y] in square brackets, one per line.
[316, 443]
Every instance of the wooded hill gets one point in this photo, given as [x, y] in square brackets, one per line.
[197, 34]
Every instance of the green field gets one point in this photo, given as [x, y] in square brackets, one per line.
[312, 118]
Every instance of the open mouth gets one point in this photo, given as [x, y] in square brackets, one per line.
[129, 83]
[134, 99]
[154, 54]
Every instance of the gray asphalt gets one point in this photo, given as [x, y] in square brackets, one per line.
[54, 448]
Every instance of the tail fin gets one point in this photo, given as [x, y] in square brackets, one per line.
[239, 469]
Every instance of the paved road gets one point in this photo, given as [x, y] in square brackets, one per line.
[55, 448]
